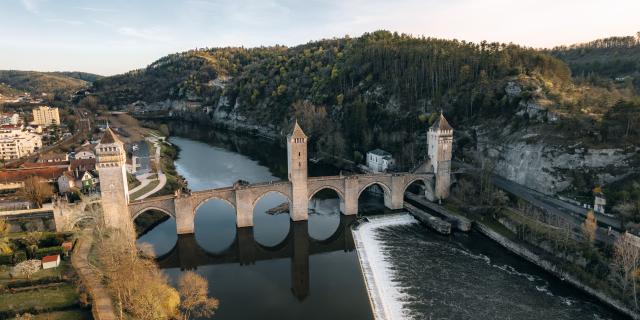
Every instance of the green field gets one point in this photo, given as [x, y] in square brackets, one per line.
[64, 315]
[42, 299]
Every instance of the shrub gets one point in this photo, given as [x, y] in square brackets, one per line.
[19, 256]
[6, 259]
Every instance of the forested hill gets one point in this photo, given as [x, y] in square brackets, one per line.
[380, 89]
[615, 58]
[36, 83]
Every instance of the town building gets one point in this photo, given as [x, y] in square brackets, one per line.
[46, 116]
[52, 261]
[379, 160]
[599, 200]
[85, 152]
[16, 142]
[82, 175]
[53, 157]
[66, 182]
[9, 118]
[11, 179]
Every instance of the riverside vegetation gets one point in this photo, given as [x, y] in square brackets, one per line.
[610, 269]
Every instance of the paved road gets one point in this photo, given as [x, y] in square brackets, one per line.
[573, 213]
[145, 181]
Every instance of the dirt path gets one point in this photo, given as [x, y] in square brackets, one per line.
[102, 307]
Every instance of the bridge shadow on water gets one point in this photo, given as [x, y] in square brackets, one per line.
[297, 246]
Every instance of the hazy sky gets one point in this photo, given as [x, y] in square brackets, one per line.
[114, 36]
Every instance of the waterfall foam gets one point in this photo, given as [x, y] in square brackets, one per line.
[384, 294]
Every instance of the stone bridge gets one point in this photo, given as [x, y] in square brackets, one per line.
[243, 198]
[119, 212]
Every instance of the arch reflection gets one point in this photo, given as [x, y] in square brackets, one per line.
[245, 250]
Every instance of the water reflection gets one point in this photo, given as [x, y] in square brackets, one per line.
[187, 254]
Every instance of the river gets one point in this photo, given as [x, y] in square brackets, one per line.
[310, 270]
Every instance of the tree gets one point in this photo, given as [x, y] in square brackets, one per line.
[90, 103]
[194, 291]
[589, 227]
[164, 130]
[626, 261]
[36, 190]
[139, 288]
[26, 268]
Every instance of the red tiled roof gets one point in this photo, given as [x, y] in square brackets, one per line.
[83, 164]
[52, 258]
[45, 164]
[16, 175]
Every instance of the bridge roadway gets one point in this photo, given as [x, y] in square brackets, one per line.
[243, 198]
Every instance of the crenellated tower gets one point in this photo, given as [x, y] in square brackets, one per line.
[297, 164]
[440, 140]
[114, 190]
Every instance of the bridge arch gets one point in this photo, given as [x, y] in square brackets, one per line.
[266, 192]
[325, 187]
[385, 188]
[145, 209]
[207, 199]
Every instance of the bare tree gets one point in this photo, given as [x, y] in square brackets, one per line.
[36, 190]
[626, 261]
[589, 227]
[194, 294]
[140, 289]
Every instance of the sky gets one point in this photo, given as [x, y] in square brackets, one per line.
[115, 36]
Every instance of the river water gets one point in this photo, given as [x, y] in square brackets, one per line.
[310, 270]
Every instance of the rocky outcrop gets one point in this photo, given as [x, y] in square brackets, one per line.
[550, 168]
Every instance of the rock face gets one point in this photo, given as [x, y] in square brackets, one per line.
[550, 168]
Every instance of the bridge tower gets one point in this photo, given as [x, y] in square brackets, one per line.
[297, 164]
[114, 190]
[440, 140]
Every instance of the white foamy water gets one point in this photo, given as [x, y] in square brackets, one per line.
[384, 293]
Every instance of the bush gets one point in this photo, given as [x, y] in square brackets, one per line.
[48, 251]
[19, 256]
[6, 259]
[50, 240]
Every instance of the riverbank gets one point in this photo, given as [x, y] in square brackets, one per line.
[550, 267]
[385, 297]
[502, 232]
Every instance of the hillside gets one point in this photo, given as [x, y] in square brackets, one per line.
[382, 89]
[613, 60]
[37, 83]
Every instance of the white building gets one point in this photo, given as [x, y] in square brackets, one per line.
[16, 142]
[85, 152]
[379, 160]
[599, 200]
[52, 261]
[9, 119]
[46, 116]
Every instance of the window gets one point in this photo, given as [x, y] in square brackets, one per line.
[298, 154]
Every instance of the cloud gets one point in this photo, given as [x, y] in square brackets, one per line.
[66, 21]
[144, 34]
[93, 9]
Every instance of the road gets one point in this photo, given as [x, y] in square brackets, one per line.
[551, 205]
[144, 178]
